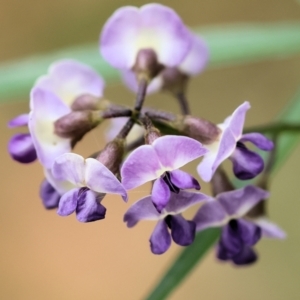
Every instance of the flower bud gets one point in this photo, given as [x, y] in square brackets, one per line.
[85, 102]
[220, 182]
[174, 80]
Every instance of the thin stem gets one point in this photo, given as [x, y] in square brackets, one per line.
[141, 93]
[116, 113]
[126, 129]
[159, 114]
[274, 128]
[184, 104]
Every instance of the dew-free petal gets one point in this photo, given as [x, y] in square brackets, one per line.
[259, 140]
[160, 239]
[19, 121]
[269, 229]
[160, 194]
[68, 202]
[50, 197]
[184, 180]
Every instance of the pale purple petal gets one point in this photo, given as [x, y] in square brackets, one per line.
[259, 140]
[197, 57]
[184, 180]
[68, 202]
[153, 26]
[269, 229]
[50, 197]
[68, 79]
[238, 202]
[21, 148]
[69, 167]
[182, 231]
[141, 210]
[89, 208]
[47, 109]
[100, 179]
[19, 121]
[160, 194]
[141, 165]
[160, 239]
[183, 200]
[246, 163]
[210, 214]
[176, 151]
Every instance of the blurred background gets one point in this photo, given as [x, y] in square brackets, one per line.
[43, 256]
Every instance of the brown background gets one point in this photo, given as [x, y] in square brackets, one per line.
[43, 256]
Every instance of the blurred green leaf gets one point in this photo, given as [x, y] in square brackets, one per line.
[191, 255]
[229, 44]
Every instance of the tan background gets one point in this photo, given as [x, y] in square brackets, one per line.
[44, 256]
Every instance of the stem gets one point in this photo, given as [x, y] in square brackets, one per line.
[159, 114]
[126, 129]
[183, 102]
[274, 128]
[141, 93]
[113, 112]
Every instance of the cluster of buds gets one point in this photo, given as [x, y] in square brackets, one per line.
[154, 51]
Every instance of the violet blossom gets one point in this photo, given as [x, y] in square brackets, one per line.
[231, 144]
[182, 230]
[160, 161]
[239, 232]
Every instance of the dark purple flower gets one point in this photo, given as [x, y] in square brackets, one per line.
[230, 144]
[171, 223]
[50, 197]
[160, 161]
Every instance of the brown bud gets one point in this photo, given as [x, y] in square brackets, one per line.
[220, 182]
[85, 102]
[174, 81]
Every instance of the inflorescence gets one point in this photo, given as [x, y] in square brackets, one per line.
[154, 51]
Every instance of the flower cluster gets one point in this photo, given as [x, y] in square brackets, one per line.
[154, 51]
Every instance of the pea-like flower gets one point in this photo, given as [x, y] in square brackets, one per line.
[239, 232]
[160, 161]
[91, 180]
[151, 27]
[231, 144]
[182, 230]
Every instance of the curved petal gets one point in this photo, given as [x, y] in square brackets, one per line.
[68, 202]
[269, 229]
[249, 232]
[21, 148]
[68, 79]
[210, 214]
[160, 240]
[19, 121]
[69, 167]
[238, 202]
[47, 109]
[184, 180]
[182, 201]
[182, 231]
[259, 140]
[160, 194]
[197, 57]
[176, 151]
[89, 208]
[153, 26]
[142, 165]
[50, 197]
[245, 257]
[141, 210]
[246, 163]
[101, 180]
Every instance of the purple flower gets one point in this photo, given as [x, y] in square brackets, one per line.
[91, 181]
[160, 161]
[151, 27]
[182, 231]
[50, 197]
[239, 234]
[230, 144]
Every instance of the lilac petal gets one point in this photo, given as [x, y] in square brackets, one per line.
[101, 180]
[197, 57]
[182, 231]
[210, 214]
[176, 151]
[238, 202]
[249, 232]
[141, 166]
[68, 202]
[269, 229]
[153, 26]
[19, 121]
[89, 208]
[230, 241]
[21, 148]
[246, 163]
[68, 79]
[69, 167]
[184, 180]
[49, 195]
[47, 109]
[160, 194]
[245, 257]
[183, 200]
[160, 239]
[259, 140]
[141, 210]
